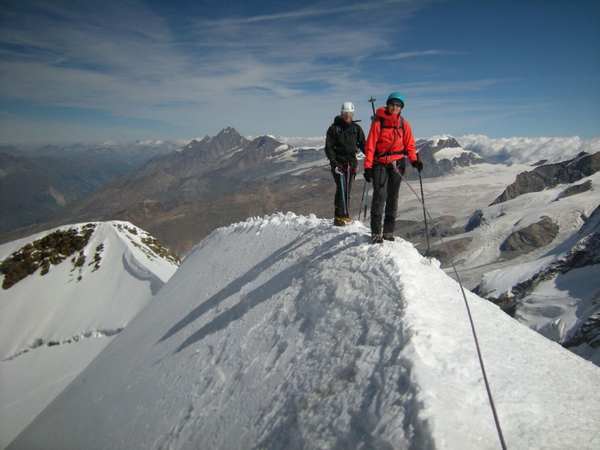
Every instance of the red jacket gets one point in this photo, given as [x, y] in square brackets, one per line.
[387, 142]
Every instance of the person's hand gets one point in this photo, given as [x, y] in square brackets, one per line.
[368, 174]
[333, 164]
[418, 164]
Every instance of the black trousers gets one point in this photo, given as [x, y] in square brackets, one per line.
[343, 187]
[386, 184]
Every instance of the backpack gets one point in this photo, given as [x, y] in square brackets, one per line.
[400, 127]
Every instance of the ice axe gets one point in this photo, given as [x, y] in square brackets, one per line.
[424, 210]
[362, 202]
[372, 102]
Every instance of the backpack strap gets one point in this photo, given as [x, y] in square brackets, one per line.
[383, 125]
[401, 127]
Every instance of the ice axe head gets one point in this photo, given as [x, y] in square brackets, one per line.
[372, 102]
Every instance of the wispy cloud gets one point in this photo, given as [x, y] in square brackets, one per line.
[256, 71]
[305, 13]
[419, 54]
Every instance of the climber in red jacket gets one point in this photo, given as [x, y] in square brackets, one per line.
[389, 144]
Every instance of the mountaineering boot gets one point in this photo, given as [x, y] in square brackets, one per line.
[339, 221]
[389, 236]
[347, 220]
[376, 239]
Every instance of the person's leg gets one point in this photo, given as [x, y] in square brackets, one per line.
[379, 197]
[391, 206]
[349, 179]
[339, 196]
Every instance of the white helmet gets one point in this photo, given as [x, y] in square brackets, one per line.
[348, 107]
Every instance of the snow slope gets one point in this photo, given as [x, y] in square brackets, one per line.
[53, 325]
[559, 306]
[504, 218]
[287, 333]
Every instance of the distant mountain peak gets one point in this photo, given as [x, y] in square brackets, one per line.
[225, 140]
[261, 141]
[228, 131]
[230, 135]
[228, 138]
[445, 141]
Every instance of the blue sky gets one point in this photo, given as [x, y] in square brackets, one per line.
[133, 69]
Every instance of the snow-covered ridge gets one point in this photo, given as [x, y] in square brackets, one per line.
[108, 249]
[285, 332]
[81, 285]
[299, 141]
[22, 258]
[435, 140]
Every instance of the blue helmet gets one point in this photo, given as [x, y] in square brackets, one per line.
[396, 96]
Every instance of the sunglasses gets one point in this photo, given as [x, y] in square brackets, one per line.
[395, 105]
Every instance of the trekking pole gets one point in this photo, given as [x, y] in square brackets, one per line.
[362, 200]
[342, 185]
[348, 189]
[372, 102]
[424, 210]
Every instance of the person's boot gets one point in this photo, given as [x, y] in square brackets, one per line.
[376, 238]
[347, 220]
[389, 236]
[339, 221]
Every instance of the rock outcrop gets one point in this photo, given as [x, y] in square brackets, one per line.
[475, 221]
[551, 175]
[529, 238]
[576, 189]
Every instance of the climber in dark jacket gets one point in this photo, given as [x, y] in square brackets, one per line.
[344, 138]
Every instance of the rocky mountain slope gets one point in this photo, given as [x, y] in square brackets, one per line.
[442, 155]
[40, 182]
[550, 175]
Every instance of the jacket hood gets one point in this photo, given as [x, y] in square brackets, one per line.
[340, 122]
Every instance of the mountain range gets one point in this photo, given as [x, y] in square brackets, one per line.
[182, 195]
[37, 183]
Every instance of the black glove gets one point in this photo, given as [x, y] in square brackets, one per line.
[418, 164]
[333, 164]
[368, 174]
